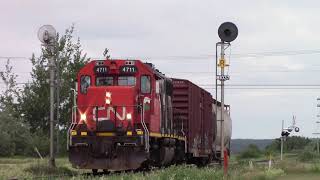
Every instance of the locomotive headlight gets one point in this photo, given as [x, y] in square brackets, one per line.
[129, 116]
[108, 94]
[83, 117]
[108, 101]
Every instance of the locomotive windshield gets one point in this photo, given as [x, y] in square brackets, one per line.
[126, 81]
[116, 81]
[104, 81]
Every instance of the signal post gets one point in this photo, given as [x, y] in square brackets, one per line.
[227, 33]
[47, 35]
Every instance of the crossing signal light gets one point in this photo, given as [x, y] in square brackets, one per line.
[285, 133]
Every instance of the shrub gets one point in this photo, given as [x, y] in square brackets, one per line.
[14, 135]
[6, 145]
[307, 156]
[252, 151]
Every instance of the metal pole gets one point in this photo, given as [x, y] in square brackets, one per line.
[222, 103]
[317, 130]
[318, 145]
[47, 35]
[51, 66]
[58, 104]
[281, 150]
[216, 103]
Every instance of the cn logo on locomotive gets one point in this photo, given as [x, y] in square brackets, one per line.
[110, 110]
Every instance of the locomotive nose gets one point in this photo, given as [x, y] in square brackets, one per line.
[112, 108]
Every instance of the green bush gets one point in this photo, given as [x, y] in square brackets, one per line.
[252, 151]
[307, 156]
[16, 138]
[6, 146]
[291, 144]
[14, 135]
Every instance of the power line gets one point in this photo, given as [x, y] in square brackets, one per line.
[244, 55]
[269, 85]
[274, 88]
[246, 72]
[15, 57]
[207, 56]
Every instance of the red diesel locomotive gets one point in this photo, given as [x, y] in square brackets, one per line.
[128, 115]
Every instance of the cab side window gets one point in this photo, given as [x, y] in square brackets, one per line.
[85, 82]
[145, 84]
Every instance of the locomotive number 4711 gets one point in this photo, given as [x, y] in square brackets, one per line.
[128, 69]
[101, 70]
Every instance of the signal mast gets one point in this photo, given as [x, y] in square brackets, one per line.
[227, 33]
[47, 35]
[285, 132]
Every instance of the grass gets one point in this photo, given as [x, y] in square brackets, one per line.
[30, 168]
[19, 167]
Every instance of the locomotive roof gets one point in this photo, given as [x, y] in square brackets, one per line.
[149, 66]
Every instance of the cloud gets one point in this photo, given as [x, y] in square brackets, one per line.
[180, 36]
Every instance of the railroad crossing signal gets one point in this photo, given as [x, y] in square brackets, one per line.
[285, 132]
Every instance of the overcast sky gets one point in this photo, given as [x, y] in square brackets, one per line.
[278, 44]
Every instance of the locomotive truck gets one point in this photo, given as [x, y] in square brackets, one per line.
[128, 115]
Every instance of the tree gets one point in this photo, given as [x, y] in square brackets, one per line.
[34, 101]
[291, 143]
[14, 134]
[11, 92]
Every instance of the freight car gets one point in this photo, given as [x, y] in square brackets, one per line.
[128, 115]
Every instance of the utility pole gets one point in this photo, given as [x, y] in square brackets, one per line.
[47, 35]
[317, 132]
[58, 104]
[281, 148]
[52, 86]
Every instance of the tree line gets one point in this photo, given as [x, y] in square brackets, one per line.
[303, 146]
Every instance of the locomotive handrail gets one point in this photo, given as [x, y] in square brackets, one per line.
[73, 118]
[146, 134]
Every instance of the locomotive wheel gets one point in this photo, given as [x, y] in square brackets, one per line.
[94, 171]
